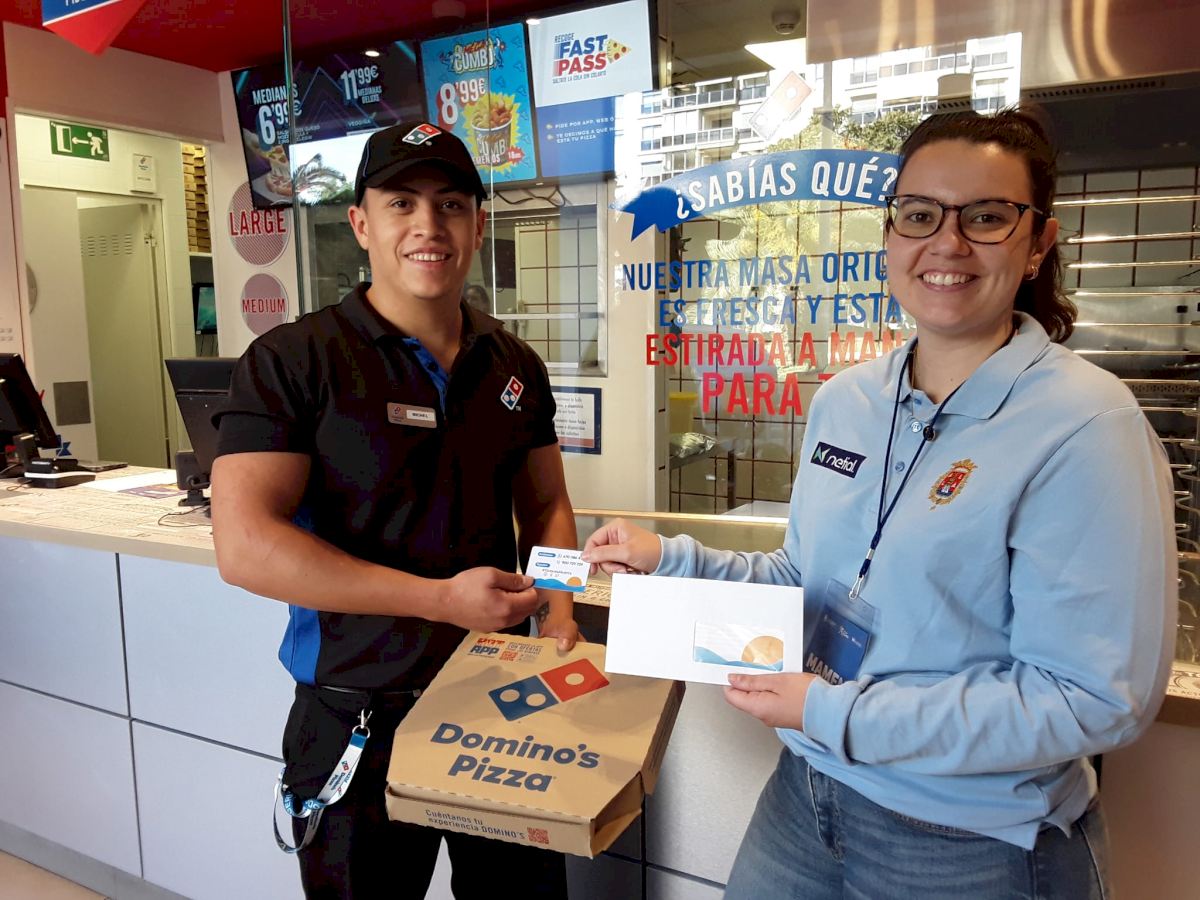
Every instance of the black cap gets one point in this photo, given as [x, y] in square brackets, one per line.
[390, 151]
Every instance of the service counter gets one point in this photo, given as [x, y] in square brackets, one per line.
[141, 707]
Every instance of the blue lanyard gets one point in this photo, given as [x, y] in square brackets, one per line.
[928, 433]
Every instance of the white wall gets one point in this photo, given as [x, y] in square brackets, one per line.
[46, 74]
[227, 172]
[624, 474]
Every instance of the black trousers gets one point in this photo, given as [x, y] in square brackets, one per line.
[357, 853]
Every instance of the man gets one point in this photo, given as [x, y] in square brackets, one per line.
[371, 458]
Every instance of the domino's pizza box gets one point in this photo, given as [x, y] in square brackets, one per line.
[516, 741]
[697, 629]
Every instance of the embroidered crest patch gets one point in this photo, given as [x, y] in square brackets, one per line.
[948, 486]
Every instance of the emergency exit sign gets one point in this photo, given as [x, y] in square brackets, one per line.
[83, 141]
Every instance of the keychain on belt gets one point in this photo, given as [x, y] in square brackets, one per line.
[335, 787]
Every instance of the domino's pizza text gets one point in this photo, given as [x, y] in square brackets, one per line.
[478, 767]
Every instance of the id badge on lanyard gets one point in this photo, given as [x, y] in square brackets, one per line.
[843, 631]
[333, 791]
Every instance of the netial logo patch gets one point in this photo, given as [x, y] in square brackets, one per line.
[844, 462]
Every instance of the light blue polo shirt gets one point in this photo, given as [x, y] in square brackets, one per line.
[1025, 585]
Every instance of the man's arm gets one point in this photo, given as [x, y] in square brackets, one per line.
[260, 549]
[546, 518]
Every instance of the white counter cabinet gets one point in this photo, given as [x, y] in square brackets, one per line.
[60, 611]
[202, 655]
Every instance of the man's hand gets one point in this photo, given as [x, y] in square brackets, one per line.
[486, 599]
[619, 546]
[559, 625]
[775, 700]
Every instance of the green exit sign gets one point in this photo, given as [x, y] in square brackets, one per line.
[84, 141]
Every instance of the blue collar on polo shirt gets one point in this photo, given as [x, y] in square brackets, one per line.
[986, 388]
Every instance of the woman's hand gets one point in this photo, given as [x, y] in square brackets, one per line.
[775, 700]
[619, 546]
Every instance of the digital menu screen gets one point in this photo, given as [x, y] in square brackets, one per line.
[335, 95]
[477, 86]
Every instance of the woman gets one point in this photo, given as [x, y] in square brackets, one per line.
[982, 525]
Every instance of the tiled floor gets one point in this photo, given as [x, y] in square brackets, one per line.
[20, 880]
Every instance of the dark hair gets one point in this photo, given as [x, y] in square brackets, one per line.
[1020, 131]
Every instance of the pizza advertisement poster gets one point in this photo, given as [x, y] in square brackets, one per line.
[592, 54]
[477, 86]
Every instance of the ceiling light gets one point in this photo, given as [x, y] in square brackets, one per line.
[789, 55]
[372, 53]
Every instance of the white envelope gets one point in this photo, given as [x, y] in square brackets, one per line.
[693, 629]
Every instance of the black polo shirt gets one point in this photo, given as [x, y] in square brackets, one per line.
[410, 469]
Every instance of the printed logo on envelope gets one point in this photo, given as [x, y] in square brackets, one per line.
[512, 393]
[554, 686]
[738, 645]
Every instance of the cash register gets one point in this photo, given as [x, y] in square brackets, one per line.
[25, 427]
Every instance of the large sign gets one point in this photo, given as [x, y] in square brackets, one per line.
[760, 324]
[335, 95]
[598, 52]
[843, 176]
[258, 235]
[477, 86]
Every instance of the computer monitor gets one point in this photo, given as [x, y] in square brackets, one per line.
[201, 386]
[21, 412]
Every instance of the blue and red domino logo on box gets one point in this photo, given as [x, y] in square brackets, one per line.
[552, 687]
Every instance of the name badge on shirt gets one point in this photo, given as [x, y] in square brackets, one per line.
[841, 637]
[419, 416]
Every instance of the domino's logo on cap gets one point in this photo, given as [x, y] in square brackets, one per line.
[421, 134]
[512, 393]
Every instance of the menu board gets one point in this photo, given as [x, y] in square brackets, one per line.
[477, 86]
[335, 95]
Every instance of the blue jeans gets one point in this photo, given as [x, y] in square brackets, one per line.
[812, 837]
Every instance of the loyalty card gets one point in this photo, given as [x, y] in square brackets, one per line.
[744, 646]
[558, 570]
[554, 686]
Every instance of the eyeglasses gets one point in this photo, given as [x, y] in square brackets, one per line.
[981, 222]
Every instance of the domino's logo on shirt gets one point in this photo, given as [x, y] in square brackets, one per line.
[512, 393]
[844, 462]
